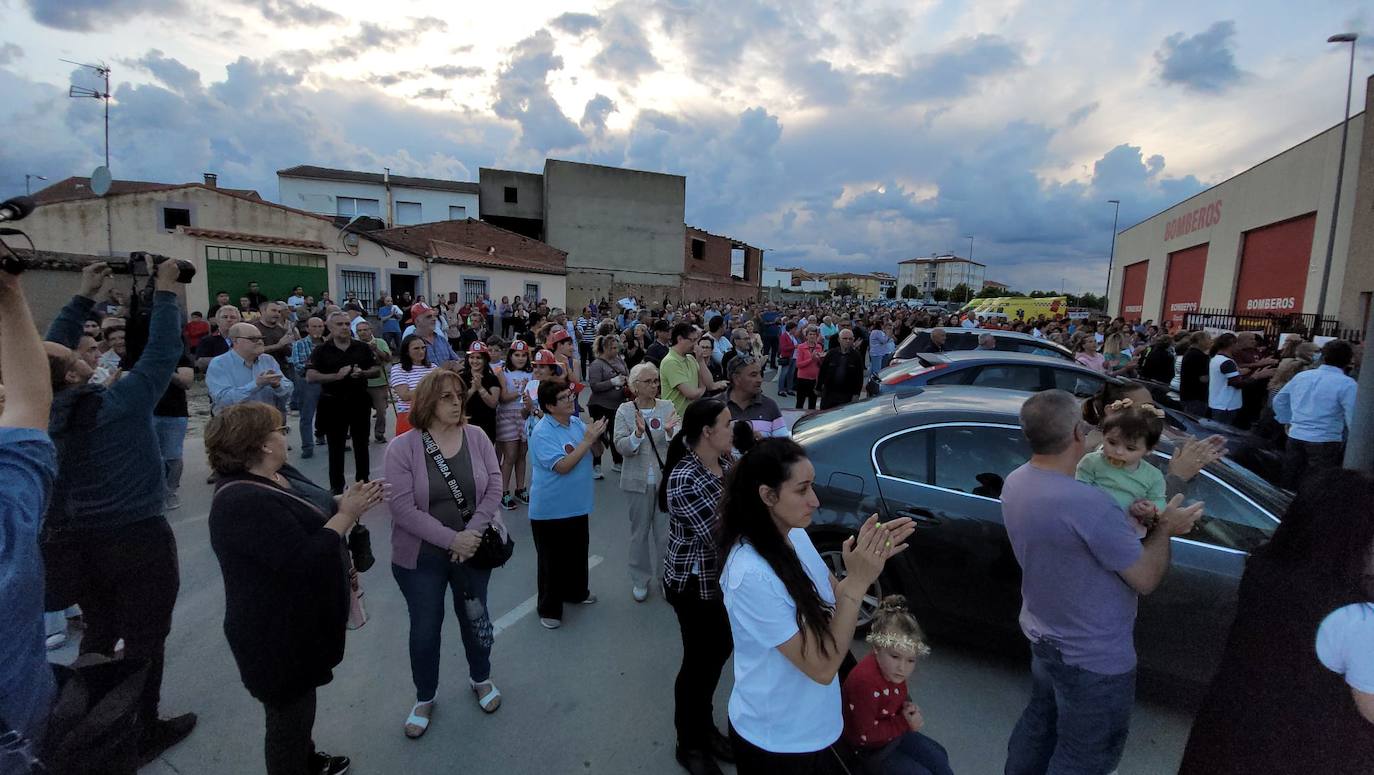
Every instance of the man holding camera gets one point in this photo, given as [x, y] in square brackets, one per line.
[342, 366]
[105, 520]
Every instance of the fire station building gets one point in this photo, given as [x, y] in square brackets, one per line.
[1255, 245]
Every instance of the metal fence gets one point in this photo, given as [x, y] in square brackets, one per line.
[1271, 324]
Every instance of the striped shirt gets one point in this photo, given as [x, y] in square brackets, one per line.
[586, 329]
[410, 379]
[300, 353]
[763, 416]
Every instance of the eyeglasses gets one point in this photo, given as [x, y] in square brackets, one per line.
[248, 338]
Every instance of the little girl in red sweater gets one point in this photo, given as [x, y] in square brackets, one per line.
[880, 720]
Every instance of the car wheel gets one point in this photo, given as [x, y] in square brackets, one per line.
[834, 559]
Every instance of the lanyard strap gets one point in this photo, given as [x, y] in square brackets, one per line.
[440, 462]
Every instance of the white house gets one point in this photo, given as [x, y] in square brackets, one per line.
[396, 199]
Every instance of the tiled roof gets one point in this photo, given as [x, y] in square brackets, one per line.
[461, 254]
[478, 238]
[354, 176]
[261, 239]
[75, 188]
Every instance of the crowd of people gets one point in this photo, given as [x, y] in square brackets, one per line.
[499, 405]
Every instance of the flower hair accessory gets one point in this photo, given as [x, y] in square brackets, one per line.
[1156, 411]
[899, 642]
[1121, 403]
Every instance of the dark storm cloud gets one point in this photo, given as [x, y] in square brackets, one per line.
[1204, 62]
[457, 71]
[522, 95]
[87, 15]
[819, 82]
[10, 52]
[625, 53]
[172, 73]
[576, 23]
[391, 79]
[594, 116]
[294, 12]
[371, 36]
[950, 72]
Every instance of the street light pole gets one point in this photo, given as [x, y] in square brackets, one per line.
[970, 268]
[1111, 257]
[1348, 37]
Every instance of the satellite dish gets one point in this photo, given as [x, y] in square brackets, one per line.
[100, 181]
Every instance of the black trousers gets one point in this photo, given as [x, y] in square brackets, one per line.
[584, 351]
[706, 645]
[770, 350]
[126, 580]
[835, 398]
[341, 420]
[288, 744]
[806, 393]
[561, 549]
[1301, 458]
[598, 412]
[752, 760]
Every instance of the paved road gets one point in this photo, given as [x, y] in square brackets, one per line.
[592, 697]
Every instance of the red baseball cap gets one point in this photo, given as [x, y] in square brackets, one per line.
[546, 358]
[478, 347]
[557, 335]
[518, 346]
[419, 308]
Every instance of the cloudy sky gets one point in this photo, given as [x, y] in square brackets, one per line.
[835, 135]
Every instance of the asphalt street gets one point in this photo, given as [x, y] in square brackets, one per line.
[592, 697]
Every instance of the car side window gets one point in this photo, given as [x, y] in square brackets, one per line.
[1228, 520]
[1009, 377]
[906, 457]
[956, 377]
[976, 459]
[1076, 382]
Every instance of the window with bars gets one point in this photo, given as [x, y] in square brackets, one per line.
[473, 290]
[359, 285]
[532, 292]
[275, 257]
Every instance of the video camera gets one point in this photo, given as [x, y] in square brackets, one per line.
[141, 263]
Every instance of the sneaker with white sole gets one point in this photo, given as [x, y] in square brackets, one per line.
[550, 624]
[322, 763]
[640, 594]
[508, 502]
[596, 473]
[615, 467]
[588, 600]
[173, 502]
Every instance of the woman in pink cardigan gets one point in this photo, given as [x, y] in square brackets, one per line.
[437, 521]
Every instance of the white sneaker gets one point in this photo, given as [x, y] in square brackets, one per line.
[591, 598]
[57, 640]
[173, 502]
[615, 467]
[550, 624]
[641, 594]
[596, 473]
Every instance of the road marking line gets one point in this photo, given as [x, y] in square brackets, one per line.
[519, 612]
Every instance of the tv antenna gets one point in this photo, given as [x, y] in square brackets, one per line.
[102, 70]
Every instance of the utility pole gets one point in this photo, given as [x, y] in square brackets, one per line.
[1111, 258]
[1350, 38]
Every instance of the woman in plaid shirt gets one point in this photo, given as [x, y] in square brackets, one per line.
[698, 459]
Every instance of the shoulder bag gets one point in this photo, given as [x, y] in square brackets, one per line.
[493, 551]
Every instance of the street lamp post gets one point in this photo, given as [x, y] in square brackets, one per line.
[1111, 257]
[28, 188]
[969, 237]
[1348, 37]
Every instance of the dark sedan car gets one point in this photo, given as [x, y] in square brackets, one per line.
[940, 457]
[1020, 371]
[967, 339]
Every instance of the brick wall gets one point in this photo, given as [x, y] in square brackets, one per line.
[716, 257]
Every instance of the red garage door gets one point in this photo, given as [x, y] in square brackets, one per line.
[1273, 266]
[1133, 290]
[1183, 282]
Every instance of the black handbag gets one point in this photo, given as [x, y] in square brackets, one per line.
[360, 547]
[493, 551]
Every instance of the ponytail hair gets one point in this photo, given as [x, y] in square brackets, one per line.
[895, 628]
[700, 415]
[745, 518]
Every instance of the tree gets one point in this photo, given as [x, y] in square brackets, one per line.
[989, 292]
[940, 294]
[1092, 301]
[843, 290]
[909, 291]
[960, 292]
[891, 292]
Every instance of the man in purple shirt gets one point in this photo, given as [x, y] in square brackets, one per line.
[1082, 569]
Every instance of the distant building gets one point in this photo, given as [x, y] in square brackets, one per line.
[796, 280]
[887, 284]
[993, 284]
[398, 200]
[940, 271]
[863, 286]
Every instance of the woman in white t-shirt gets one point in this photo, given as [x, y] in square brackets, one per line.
[405, 375]
[792, 621]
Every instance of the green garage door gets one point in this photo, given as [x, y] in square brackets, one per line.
[275, 271]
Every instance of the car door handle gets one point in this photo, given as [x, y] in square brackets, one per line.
[920, 516]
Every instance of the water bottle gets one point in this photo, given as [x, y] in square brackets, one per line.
[481, 622]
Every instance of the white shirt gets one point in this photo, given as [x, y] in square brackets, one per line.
[1344, 644]
[968, 323]
[773, 704]
[1219, 394]
[1317, 405]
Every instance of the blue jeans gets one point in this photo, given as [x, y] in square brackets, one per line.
[309, 393]
[911, 754]
[424, 589]
[787, 375]
[1076, 722]
[171, 436]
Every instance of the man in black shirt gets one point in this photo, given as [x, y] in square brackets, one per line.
[1157, 362]
[342, 366]
[841, 375]
[217, 342]
[660, 347]
[1192, 379]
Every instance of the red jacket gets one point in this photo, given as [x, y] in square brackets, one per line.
[808, 358]
[872, 706]
[786, 345]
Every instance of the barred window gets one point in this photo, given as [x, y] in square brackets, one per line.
[473, 290]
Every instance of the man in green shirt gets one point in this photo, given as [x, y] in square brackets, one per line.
[679, 374]
[378, 386]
